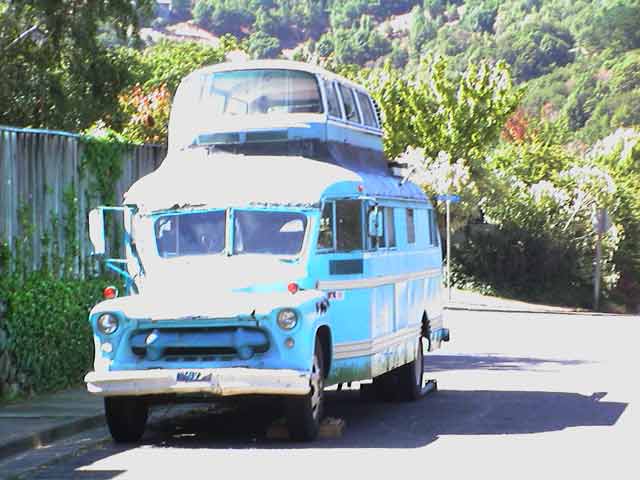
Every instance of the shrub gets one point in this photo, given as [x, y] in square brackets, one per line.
[49, 337]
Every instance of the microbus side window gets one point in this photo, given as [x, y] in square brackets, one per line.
[368, 113]
[388, 239]
[390, 227]
[333, 103]
[350, 106]
[433, 228]
[411, 227]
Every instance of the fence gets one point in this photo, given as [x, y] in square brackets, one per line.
[37, 167]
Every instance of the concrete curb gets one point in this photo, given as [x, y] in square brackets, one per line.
[484, 308]
[48, 436]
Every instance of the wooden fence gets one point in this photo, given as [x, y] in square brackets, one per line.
[37, 167]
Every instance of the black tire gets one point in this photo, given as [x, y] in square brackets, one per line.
[304, 413]
[410, 377]
[126, 418]
[403, 383]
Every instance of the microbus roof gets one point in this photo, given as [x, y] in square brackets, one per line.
[275, 65]
[195, 178]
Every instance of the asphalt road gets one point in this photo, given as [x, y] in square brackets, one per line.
[521, 395]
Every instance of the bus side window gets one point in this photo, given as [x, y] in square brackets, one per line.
[433, 227]
[348, 225]
[368, 114]
[411, 227]
[390, 227]
[333, 104]
[326, 237]
[388, 239]
[349, 102]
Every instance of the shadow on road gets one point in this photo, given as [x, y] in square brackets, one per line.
[438, 363]
[369, 424]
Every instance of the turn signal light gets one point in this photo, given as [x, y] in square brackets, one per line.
[109, 292]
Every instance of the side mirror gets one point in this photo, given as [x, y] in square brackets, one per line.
[96, 231]
[375, 223]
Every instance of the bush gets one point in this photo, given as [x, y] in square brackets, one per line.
[519, 262]
[49, 340]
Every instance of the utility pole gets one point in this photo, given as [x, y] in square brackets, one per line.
[602, 225]
[449, 247]
[448, 199]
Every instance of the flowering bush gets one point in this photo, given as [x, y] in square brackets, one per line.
[148, 113]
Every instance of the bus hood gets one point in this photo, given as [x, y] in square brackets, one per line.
[191, 306]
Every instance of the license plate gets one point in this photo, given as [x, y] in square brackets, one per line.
[192, 376]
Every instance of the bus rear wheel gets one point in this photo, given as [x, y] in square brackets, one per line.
[126, 418]
[304, 413]
[410, 377]
[403, 383]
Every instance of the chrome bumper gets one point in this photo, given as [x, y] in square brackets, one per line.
[214, 381]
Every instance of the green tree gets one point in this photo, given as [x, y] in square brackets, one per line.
[55, 73]
[462, 116]
[261, 45]
[536, 49]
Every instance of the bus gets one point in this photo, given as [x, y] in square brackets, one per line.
[275, 252]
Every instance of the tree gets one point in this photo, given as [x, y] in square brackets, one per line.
[261, 45]
[462, 116]
[536, 49]
[57, 75]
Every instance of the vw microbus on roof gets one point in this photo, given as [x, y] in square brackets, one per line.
[272, 253]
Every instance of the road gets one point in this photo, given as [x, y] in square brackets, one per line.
[521, 395]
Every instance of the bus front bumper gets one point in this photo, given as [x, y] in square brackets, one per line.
[213, 381]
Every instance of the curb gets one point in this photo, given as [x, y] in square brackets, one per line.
[483, 308]
[53, 434]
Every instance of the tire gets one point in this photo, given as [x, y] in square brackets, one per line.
[410, 377]
[304, 413]
[126, 418]
[403, 383]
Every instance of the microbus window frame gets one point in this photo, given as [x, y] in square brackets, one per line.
[373, 110]
[332, 84]
[348, 87]
[333, 228]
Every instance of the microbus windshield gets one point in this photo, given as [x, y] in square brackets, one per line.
[254, 231]
[201, 100]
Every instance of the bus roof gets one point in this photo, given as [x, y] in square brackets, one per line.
[275, 65]
[195, 178]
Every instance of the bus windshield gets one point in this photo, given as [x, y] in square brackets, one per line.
[198, 233]
[255, 231]
[275, 233]
[201, 100]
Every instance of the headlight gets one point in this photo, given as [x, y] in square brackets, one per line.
[287, 319]
[107, 323]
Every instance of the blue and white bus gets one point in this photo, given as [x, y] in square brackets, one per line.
[274, 252]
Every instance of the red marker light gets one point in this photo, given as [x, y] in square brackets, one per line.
[109, 292]
[360, 188]
[292, 287]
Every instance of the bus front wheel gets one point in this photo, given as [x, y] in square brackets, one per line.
[126, 418]
[304, 413]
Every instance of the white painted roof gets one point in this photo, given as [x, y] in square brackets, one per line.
[277, 65]
[193, 177]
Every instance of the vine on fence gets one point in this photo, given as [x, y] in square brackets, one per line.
[45, 338]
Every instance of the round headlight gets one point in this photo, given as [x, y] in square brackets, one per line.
[287, 319]
[107, 323]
